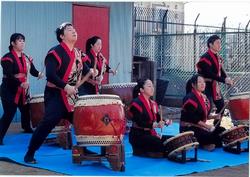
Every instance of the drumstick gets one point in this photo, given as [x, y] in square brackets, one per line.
[217, 123]
[117, 67]
[161, 112]
[43, 68]
[95, 65]
[203, 160]
[161, 117]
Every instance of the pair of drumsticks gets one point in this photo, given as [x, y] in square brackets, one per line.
[161, 119]
[85, 78]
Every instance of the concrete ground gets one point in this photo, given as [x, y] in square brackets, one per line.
[12, 168]
[8, 168]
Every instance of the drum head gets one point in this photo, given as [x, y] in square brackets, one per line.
[185, 147]
[97, 100]
[232, 129]
[241, 95]
[119, 85]
[233, 143]
[37, 98]
[191, 133]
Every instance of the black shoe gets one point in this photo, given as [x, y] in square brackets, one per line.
[138, 152]
[28, 131]
[142, 153]
[29, 158]
[86, 151]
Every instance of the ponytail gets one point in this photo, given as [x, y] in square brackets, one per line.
[140, 85]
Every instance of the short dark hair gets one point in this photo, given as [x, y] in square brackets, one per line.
[14, 37]
[60, 30]
[211, 39]
[90, 42]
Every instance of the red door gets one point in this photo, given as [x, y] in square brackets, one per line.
[92, 21]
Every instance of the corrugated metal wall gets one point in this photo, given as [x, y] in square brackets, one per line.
[121, 37]
[38, 21]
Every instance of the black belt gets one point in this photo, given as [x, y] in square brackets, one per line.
[140, 128]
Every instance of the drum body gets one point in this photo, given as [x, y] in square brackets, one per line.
[36, 109]
[37, 112]
[99, 120]
[232, 136]
[123, 90]
[182, 141]
[239, 107]
[62, 130]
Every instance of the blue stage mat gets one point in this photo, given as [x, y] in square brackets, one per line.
[59, 160]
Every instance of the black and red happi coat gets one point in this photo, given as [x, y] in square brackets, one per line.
[144, 115]
[11, 84]
[195, 107]
[59, 62]
[210, 67]
[89, 59]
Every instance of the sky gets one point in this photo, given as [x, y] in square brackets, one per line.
[213, 12]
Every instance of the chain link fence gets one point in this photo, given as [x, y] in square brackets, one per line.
[176, 50]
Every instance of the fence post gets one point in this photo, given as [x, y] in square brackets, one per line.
[247, 65]
[195, 31]
[163, 42]
[238, 49]
[224, 42]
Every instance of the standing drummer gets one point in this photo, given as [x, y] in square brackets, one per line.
[15, 86]
[210, 67]
[94, 59]
[64, 68]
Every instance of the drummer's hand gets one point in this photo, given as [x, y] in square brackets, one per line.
[161, 124]
[168, 122]
[229, 81]
[99, 78]
[217, 116]
[93, 82]
[214, 116]
[40, 75]
[93, 72]
[210, 128]
[25, 85]
[70, 90]
[155, 125]
[113, 72]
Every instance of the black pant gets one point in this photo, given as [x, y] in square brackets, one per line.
[9, 109]
[219, 104]
[55, 110]
[143, 140]
[204, 137]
